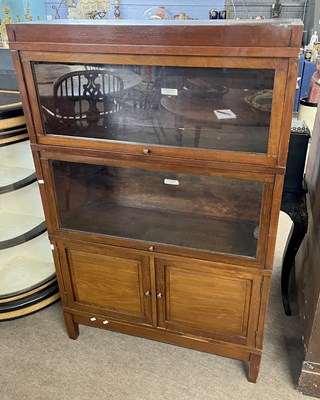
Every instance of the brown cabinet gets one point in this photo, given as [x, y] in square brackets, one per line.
[160, 152]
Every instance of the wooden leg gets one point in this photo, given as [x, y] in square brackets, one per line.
[72, 327]
[254, 366]
[288, 264]
[294, 204]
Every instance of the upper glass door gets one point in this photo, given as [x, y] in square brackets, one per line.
[191, 107]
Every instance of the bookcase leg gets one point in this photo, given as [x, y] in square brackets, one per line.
[72, 327]
[254, 366]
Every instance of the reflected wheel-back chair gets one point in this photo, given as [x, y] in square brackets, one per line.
[83, 98]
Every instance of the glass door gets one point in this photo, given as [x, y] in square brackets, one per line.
[161, 207]
[208, 108]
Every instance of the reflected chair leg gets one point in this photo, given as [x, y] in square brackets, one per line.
[159, 118]
[179, 138]
[197, 136]
[254, 367]
[72, 327]
[179, 131]
[155, 124]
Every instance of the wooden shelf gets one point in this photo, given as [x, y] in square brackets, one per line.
[173, 228]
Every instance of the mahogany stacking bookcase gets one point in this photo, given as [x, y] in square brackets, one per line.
[160, 150]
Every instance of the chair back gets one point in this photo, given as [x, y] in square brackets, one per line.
[87, 95]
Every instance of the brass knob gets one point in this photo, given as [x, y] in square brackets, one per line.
[146, 151]
[159, 295]
[151, 248]
[147, 293]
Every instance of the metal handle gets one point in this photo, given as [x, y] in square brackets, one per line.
[159, 295]
[147, 293]
[146, 151]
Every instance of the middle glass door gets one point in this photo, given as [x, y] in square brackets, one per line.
[193, 211]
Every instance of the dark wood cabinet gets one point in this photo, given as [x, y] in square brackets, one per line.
[160, 152]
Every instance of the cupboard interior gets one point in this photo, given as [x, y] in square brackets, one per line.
[211, 213]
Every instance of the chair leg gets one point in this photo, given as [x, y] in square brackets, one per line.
[287, 265]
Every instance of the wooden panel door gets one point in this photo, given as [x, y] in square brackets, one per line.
[208, 301]
[107, 281]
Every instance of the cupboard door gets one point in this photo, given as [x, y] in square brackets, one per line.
[112, 282]
[207, 301]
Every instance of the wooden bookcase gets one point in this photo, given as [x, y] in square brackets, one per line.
[160, 151]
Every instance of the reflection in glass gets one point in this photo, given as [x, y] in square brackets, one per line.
[208, 108]
[194, 211]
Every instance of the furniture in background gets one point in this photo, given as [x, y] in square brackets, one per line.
[27, 276]
[8, 79]
[85, 96]
[156, 234]
[19, 9]
[305, 72]
[134, 10]
[308, 273]
[294, 202]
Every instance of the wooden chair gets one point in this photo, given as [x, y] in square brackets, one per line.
[85, 97]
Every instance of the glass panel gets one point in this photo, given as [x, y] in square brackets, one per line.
[195, 211]
[208, 108]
